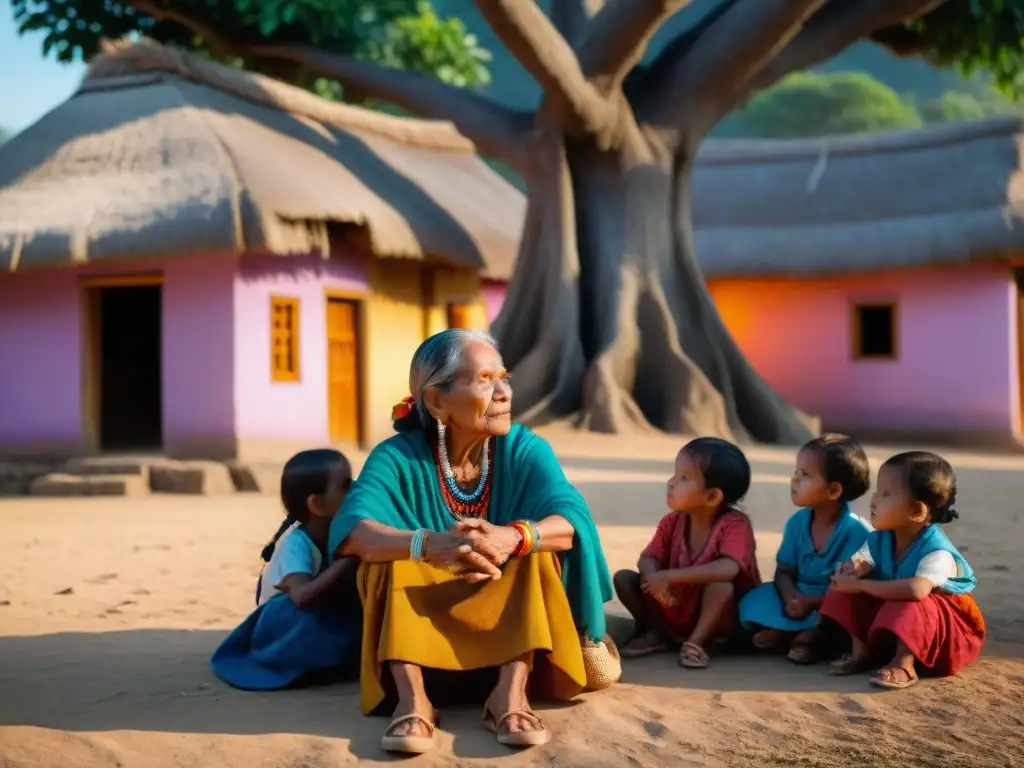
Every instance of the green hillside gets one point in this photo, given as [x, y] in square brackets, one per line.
[512, 85]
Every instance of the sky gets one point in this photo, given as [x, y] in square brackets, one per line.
[30, 86]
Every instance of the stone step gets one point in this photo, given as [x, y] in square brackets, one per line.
[107, 465]
[203, 478]
[16, 476]
[62, 484]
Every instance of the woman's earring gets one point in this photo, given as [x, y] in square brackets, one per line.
[440, 431]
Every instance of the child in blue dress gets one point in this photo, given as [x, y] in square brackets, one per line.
[308, 618]
[831, 471]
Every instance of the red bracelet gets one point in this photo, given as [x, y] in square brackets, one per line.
[526, 542]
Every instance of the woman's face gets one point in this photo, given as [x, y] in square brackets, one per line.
[480, 402]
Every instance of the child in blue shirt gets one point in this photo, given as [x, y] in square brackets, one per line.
[831, 471]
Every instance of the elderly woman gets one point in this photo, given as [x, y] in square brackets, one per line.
[476, 553]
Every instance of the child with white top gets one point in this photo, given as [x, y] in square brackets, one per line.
[908, 588]
[308, 617]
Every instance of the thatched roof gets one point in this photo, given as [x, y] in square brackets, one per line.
[947, 195]
[161, 152]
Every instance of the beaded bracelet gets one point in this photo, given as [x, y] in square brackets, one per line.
[418, 544]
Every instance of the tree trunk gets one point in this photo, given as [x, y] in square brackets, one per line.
[608, 316]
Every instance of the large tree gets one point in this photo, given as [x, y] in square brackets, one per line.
[607, 316]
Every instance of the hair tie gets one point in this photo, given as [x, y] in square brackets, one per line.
[402, 408]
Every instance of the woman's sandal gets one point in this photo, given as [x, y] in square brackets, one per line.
[692, 656]
[879, 680]
[847, 665]
[409, 744]
[641, 646]
[535, 738]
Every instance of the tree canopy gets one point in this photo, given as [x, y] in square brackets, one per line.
[400, 34]
[808, 104]
[812, 104]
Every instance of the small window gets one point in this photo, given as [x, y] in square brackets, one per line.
[874, 331]
[284, 339]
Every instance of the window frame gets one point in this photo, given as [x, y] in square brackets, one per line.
[857, 329]
[294, 373]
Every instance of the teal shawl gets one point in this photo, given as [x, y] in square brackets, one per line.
[882, 546]
[398, 487]
[814, 569]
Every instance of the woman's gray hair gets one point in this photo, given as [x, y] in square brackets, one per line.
[437, 361]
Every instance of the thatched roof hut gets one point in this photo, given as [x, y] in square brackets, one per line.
[943, 196]
[163, 153]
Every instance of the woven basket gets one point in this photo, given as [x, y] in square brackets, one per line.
[601, 662]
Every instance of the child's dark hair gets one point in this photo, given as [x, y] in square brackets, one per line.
[930, 480]
[306, 474]
[843, 461]
[723, 465]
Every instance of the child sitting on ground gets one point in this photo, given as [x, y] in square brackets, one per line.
[701, 560]
[908, 587]
[308, 617]
[831, 471]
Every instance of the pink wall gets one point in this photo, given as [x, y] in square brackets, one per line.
[956, 340]
[494, 297]
[40, 378]
[41, 328]
[274, 411]
[198, 350]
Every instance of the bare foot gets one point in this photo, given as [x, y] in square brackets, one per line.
[413, 727]
[507, 711]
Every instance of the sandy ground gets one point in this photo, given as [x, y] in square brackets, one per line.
[109, 611]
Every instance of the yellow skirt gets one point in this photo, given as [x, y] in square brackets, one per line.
[422, 615]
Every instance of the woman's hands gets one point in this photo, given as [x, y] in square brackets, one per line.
[453, 552]
[495, 542]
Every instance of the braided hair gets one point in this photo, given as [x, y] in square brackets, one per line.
[306, 474]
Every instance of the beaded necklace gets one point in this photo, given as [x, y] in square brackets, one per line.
[464, 504]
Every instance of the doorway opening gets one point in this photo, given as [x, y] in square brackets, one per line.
[126, 366]
[344, 396]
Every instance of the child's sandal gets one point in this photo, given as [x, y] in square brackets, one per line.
[642, 645]
[802, 653]
[847, 665]
[884, 679]
[767, 639]
[692, 656]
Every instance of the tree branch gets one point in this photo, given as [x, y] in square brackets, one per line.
[570, 17]
[743, 38]
[494, 129]
[533, 40]
[833, 29]
[618, 35]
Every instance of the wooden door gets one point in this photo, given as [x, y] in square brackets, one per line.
[460, 316]
[343, 405]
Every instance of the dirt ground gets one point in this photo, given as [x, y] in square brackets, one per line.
[110, 609]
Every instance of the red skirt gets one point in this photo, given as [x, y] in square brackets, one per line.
[944, 632]
[680, 619]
